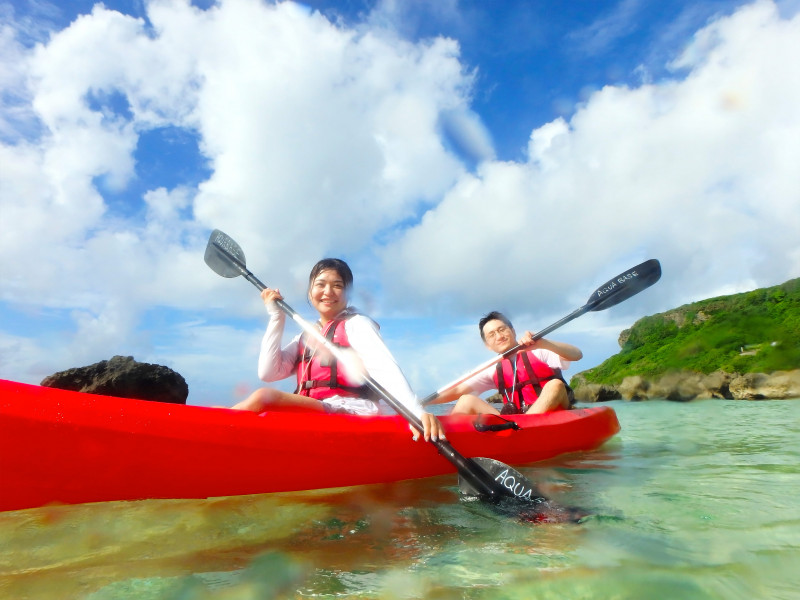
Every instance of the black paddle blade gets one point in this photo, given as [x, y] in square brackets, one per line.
[522, 500]
[625, 285]
[219, 262]
[509, 481]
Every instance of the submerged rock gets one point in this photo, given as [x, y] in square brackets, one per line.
[124, 377]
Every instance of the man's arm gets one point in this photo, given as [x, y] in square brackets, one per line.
[477, 385]
[564, 350]
[452, 394]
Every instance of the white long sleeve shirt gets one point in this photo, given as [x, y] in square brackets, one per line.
[276, 363]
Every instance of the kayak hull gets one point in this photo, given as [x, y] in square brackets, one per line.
[67, 447]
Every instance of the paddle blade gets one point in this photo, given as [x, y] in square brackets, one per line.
[512, 483]
[625, 285]
[522, 499]
[222, 254]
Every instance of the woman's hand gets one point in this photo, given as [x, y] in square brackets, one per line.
[433, 429]
[269, 296]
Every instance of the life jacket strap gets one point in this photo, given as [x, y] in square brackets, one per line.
[486, 422]
[515, 391]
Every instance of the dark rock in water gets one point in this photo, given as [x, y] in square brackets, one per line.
[123, 377]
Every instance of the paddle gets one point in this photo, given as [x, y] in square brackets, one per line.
[485, 478]
[611, 293]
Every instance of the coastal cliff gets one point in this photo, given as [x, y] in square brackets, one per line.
[742, 346]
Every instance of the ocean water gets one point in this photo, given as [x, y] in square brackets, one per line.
[696, 500]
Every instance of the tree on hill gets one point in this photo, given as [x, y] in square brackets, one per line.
[752, 332]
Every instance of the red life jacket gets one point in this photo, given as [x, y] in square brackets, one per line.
[521, 390]
[318, 373]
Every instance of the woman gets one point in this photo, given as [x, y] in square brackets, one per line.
[323, 383]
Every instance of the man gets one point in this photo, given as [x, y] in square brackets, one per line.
[529, 382]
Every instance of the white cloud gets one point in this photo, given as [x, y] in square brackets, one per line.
[319, 138]
[332, 138]
[607, 29]
[324, 138]
[15, 114]
[698, 172]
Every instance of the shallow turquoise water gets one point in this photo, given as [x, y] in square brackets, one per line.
[695, 500]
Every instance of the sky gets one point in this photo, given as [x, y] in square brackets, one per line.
[462, 156]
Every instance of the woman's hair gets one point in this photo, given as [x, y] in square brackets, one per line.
[334, 264]
[492, 316]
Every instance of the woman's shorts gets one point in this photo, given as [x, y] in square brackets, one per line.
[350, 406]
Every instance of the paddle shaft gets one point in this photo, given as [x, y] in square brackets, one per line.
[481, 480]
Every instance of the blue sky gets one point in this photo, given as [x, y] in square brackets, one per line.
[461, 157]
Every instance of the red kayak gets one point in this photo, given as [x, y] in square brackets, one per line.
[67, 447]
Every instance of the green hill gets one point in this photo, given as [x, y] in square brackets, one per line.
[753, 332]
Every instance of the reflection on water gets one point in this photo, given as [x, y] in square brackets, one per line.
[66, 551]
[692, 500]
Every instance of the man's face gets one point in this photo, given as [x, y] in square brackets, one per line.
[498, 336]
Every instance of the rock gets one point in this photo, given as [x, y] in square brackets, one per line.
[717, 385]
[683, 386]
[758, 386]
[678, 386]
[595, 392]
[123, 377]
[746, 387]
[634, 388]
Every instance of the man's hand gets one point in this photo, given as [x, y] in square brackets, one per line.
[564, 350]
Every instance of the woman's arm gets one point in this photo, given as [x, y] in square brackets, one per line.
[378, 362]
[275, 363]
[452, 394]
[366, 341]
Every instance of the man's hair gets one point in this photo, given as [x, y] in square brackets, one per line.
[492, 316]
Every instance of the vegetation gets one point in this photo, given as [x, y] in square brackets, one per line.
[753, 332]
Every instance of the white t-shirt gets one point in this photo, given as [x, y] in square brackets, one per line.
[484, 381]
[276, 363]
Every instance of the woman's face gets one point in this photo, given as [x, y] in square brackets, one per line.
[328, 294]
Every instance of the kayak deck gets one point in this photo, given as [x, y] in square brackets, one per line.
[58, 446]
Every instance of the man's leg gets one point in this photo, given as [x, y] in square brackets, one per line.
[473, 405]
[553, 397]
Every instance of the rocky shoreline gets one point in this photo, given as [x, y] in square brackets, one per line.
[686, 385]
